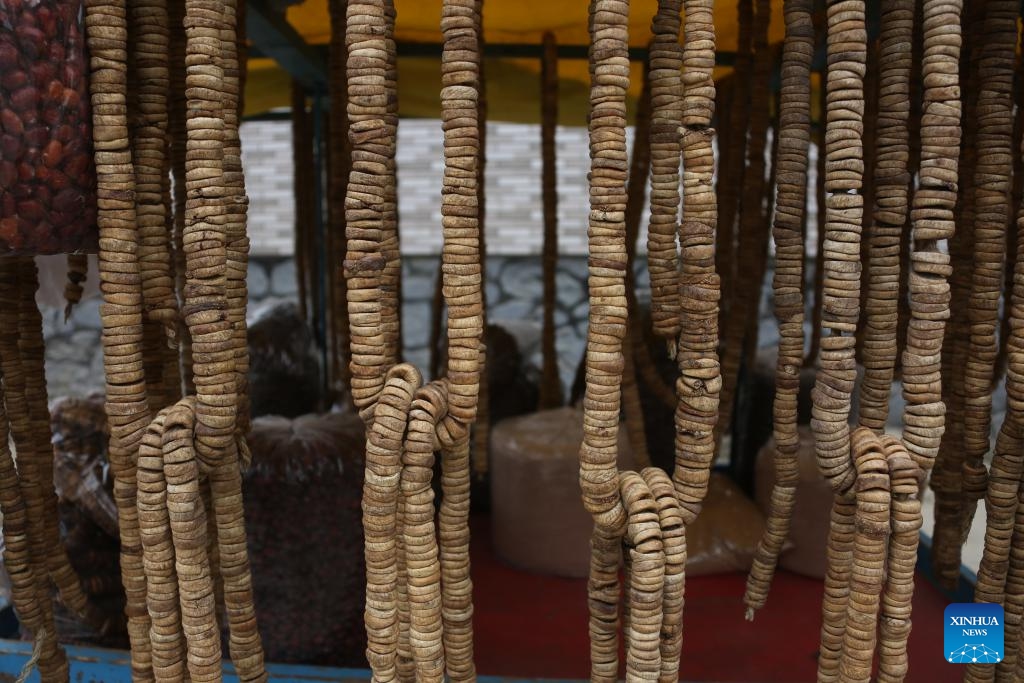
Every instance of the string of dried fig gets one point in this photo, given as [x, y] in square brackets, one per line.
[551, 383]
[844, 169]
[461, 26]
[127, 407]
[794, 141]
[216, 250]
[889, 211]
[906, 480]
[1011, 667]
[957, 483]
[340, 166]
[1004, 476]
[932, 222]
[1011, 241]
[152, 83]
[1014, 590]
[636, 193]
[817, 280]
[656, 153]
[916, 110]
[382, 394]
[481, 437]
[599, 477]
[26, 489]
[700, 382]
[214, 302]
[657, 129]
[419, 602]
[624, 505]
[993, 183]
[753, 228]
[237, 206]
[177, 130]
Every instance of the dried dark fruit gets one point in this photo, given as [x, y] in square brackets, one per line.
[47, 174]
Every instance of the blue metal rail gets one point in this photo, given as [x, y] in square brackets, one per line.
[94, 665]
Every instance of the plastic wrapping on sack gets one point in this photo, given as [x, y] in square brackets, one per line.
[284, 371]
[537, 515]
[47, 173]
[811, 512]
[304, 522]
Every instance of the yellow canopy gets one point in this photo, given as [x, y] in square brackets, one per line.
[512, 84]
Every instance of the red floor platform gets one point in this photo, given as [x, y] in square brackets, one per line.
[536, 626]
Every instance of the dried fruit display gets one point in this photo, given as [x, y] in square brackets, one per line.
[47, 174]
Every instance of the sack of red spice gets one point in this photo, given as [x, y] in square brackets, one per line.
[47, 172]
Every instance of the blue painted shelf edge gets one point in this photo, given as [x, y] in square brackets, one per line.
[95, 665]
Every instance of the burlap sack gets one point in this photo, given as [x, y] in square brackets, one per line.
[809, 530]
[537, 518]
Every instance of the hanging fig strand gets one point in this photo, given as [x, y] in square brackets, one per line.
[794, 142]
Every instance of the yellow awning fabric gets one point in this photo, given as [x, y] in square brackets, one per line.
[512, 84]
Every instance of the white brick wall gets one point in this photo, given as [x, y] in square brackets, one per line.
[267, 159]
[514, 224]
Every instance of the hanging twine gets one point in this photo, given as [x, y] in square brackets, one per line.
[33, 660]
[794, 141]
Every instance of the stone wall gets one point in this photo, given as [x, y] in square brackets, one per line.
[514, 294]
